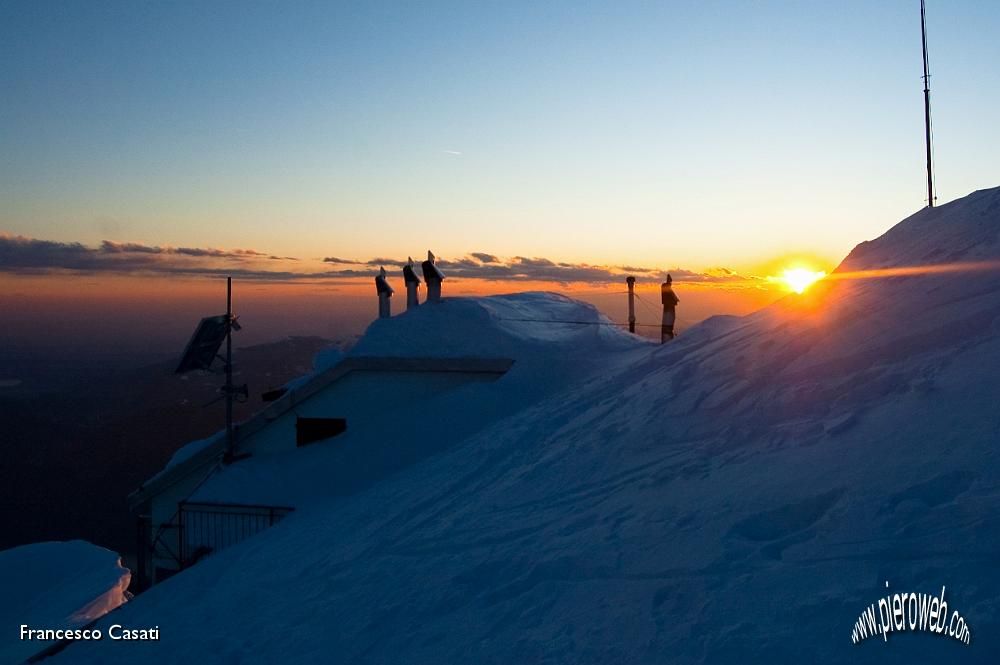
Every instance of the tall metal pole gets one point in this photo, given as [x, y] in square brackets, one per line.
[927, 108]
[229, 368]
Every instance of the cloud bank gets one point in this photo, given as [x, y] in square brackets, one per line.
[19, 254]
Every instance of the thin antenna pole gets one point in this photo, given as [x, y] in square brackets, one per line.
[927, 108]
[229, 368]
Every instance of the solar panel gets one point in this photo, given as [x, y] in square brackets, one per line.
[204, 345]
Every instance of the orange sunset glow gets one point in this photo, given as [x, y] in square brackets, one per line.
[513, 332]
[798, 280]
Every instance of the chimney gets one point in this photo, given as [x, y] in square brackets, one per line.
[433, 277]
[412, 284]
[384, 294]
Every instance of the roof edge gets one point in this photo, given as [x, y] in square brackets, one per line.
[214, 450]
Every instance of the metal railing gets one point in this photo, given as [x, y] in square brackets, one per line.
[205, 528]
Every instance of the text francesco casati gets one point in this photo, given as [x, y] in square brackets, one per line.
[115, 632]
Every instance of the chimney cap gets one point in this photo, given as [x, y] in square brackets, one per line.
[381, 285]
[431, 272]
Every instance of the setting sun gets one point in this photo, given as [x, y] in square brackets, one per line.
[799, 279]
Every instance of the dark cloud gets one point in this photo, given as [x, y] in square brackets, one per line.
[337, 259]
[713, 276]
[28, 255]
[382, 261]
[541, 269]
[536, 262]
[21, 254]
[111, 247]
[458, 264]
[127, 247]
[18, 252]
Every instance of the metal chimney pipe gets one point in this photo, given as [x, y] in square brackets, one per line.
[433, 278]
[412, 284]
[384, 294]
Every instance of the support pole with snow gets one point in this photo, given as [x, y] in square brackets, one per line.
[384, 294]
[230, 435]
[631, 303]
[412, 284]
[432, 277]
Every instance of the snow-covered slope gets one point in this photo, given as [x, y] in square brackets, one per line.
[741, 494]
[55, 585]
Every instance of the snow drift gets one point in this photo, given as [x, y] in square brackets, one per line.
[56, 585]
[741, 494]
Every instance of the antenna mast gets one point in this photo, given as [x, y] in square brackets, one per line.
[230, 443]
[203, 349]
[927, 109]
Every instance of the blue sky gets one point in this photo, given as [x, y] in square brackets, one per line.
[684, 133]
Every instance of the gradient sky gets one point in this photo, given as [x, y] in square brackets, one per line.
[691, 134]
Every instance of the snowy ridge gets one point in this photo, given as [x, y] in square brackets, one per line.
[962, 230]
[510, 325]
[738, 495]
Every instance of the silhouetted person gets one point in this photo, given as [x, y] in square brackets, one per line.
[670, 300]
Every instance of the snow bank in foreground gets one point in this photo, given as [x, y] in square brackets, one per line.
[56, 585]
